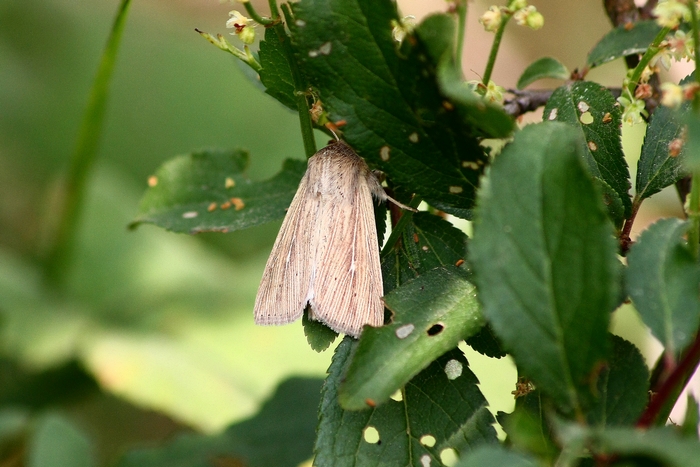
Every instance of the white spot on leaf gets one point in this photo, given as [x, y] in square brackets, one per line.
[371, 435]
[405, 331]
[425, 460]
[453, 369]
[190, 214]
[592, 146]
[583, 106]
[413, 137]
[553, 114]
[301, 23]
[456, 189]
[427, 440]
[385, 153]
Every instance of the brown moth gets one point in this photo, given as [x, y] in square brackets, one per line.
[327, 253]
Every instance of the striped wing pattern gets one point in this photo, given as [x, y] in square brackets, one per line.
[327, 252]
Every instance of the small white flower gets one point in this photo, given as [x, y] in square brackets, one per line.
[243, 27]
[491, 19]
[672, 95]
[670, 13]
[530, 17]
[402, 27]
[682, 46]
[633, 109]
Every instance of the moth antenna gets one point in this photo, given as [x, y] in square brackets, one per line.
[401, 205]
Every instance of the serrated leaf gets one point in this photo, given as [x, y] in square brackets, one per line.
[661, 162]
[545, 67]
[431, 314]
[432, 405]
[395, 115]
[208, 191]
[427, 243]
[528, 427]
[281, 434]
[623, 387]
[661, 446]
[613, 203]
[486, 343]
[318, 335]
[545, 261]
[56, 442]
[623, 41]
[496, 456]
[275, 74]
[662, 281]
[593, 111]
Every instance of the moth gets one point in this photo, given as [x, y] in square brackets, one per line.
[326, 254]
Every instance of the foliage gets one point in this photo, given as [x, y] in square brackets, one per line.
[549, 261]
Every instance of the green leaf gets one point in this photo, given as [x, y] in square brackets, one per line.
[662, 281]
[692, 417]
[528, 428]
[281, 434]
[496, 456]
[396, 117]
[398, 433]
[275, 74]
[318, 335]
[488, 118]
[661, 163]
[662, 446]
[613, 203]
[623, 387]
[431, 314]
[545, 261]
[193, 193]
[593, 111]
[427, 243]
[545, 67]
[486, 343]
[56, 442]
[622, 41]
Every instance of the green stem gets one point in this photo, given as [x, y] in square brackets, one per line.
[694, 201]
[494, 48]
[85, 153]
[461, 30]
[255, 16]
[646, 58]
[696, 46]
[300, 87]
[400, 226]
[274, 11]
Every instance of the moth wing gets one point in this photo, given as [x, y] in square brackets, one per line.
[348, 282]
[285, 284]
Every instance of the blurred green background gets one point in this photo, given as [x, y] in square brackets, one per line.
[153, 331]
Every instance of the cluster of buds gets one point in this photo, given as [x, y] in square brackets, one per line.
[670, 13]
[673, 95]
[403, 27]
[524, 14]
[491, 93]
[243, 27]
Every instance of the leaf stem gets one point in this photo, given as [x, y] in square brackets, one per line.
[300, 86]
[494, 48]
[84, 155]
[461, 30]
[694, 201]
[665, 397]
[646, 58]
[255, 16]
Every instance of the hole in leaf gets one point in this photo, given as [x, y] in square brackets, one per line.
[435, 329]
[397, 396]
[586, 118]
[427, 440]
[371, 435]
[448, 457]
